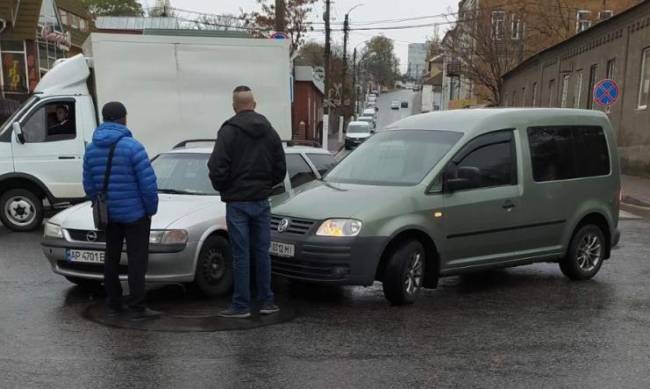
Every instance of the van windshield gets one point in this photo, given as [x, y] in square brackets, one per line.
[394, 158]
[5, 129]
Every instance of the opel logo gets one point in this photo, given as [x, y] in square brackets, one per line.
[91, 236]
[284, 224]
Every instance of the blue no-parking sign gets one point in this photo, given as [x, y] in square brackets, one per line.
[606, 92]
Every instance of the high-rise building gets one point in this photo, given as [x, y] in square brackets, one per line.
[417, 60]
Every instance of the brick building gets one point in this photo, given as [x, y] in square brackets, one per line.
[307, 103]
[564, 76]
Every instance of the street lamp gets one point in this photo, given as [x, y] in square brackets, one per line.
[355, 97]
[346, 32]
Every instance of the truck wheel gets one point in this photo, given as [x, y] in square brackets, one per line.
[214, 275]
[90, 285]
[21, 210]
[404, 273]
[585, 255]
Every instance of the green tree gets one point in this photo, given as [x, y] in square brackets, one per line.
[380, 62]
[114, 7]
[296, 14]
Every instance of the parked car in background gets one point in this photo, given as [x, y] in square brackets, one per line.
[357, 133]
[370, 120]
[189, 238]
[395, 104]
[447, 193]
[371, 112]
[404, 104]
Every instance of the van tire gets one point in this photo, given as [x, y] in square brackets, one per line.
[21, 210]
[404, 274]
[586, 253]
[214, 272]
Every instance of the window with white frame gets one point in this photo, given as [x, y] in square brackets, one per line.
[534, 93]
[577, 91]
[64, 17]
[583, 21]
[606, 14]
[74, 21]
[644, 90]
[565, 90]
[516, 28]
[498, 24]
[83, 25]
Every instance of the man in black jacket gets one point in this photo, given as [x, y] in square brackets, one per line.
[247, 162]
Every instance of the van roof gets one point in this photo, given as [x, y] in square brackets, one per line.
[474, 121]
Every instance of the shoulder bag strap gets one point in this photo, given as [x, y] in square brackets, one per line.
[109, 165]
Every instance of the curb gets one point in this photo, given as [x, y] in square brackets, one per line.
[634, 202]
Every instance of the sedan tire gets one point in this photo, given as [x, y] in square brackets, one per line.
[214, 274]
[404, 273]
[586, 253]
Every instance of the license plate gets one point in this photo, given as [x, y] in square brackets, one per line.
[283, 249]
[84, 256]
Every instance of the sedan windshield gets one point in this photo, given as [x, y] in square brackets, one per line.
[397, 158]
[358, 129]
[183, 173]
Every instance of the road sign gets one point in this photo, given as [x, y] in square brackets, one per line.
[606, 92]
[279, 35]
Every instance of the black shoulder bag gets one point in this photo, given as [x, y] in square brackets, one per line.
[100, 204]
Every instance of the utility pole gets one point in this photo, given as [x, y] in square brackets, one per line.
[280, 16]
[346, 33]
[326, 18]
[354, 82]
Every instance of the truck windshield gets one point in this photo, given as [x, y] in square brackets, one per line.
[394, 158]
[6, 125]
[183, 173]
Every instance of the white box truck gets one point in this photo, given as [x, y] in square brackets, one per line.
[174, 88]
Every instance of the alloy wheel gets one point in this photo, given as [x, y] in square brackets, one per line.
[414, 274]
[589, 252]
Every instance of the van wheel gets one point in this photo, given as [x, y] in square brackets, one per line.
[90, 285]
[214, 275]
[404, 273]
[21, 210]
[585, 255]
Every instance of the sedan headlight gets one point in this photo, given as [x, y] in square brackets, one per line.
[168, 237]
[53, 231]
[339, 227]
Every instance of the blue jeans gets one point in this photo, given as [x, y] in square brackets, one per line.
[249, 228]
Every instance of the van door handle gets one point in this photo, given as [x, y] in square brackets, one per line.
[66, 157]
[508, 205]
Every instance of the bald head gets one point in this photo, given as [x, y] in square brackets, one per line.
[243, 99]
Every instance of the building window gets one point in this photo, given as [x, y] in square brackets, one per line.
[602, 15]
[582, 21]
[83, 25]
[644, 90]
[513, 102]
[551, 89]
[523, 96]
[74, 21]
[565, 90]
[592, 82]
[577, 92]
[517, 28]
[64, 17]
[611, 68]
[498, 22]
[534, 102]
[15, 80]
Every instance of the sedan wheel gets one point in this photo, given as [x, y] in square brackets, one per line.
[214, 268]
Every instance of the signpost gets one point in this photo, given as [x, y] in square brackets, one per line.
[606, 92]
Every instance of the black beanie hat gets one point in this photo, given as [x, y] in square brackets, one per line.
[113, 111]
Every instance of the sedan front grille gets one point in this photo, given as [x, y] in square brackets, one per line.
[295, 226]
[87, 236]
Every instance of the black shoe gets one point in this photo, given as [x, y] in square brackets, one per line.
[113, 311]
[233, 313]
[143, 314]
[269, 308]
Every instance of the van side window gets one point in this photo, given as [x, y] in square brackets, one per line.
[299, 172]
[488, 161]
[563, 153]
[50, 123]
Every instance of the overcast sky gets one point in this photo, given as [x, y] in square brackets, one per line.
[371, 10]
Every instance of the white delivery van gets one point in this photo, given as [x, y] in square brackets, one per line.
[174, 88]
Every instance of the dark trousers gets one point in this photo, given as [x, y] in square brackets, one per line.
[137, 250]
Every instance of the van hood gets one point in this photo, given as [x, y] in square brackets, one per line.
[321, 200]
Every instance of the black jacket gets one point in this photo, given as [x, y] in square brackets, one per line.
[248, 159]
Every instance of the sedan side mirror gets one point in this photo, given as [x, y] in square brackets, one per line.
[18, 131]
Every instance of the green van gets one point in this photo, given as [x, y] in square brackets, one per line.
[451, 192]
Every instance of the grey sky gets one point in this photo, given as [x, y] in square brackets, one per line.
[371, 10]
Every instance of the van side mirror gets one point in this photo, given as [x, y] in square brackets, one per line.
[18, 131]
[466, 177]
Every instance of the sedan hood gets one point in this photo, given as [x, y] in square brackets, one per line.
[170, 209]
[321, 200]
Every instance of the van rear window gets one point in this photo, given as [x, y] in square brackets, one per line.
[566, 152]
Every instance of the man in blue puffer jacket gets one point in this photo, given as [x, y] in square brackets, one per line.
[132, 198]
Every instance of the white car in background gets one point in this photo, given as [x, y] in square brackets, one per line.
[189, 238]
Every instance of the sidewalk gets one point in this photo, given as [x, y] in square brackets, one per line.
[636, 190]
[334, 146]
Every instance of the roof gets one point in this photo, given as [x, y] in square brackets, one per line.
[26, 21]
[136, 23]
[476, 121]
[594, 29]
[306, 73]
[74, 6]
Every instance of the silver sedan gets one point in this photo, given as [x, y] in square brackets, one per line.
[189, 238]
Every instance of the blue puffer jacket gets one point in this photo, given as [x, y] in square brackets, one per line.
[132, 187]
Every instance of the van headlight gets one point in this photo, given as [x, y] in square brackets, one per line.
[168, 237]
[53, 231]
[339, 227]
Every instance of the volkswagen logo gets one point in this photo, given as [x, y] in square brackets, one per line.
[91, 236]
[283, 225]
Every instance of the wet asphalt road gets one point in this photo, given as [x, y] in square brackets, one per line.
[524, 327]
